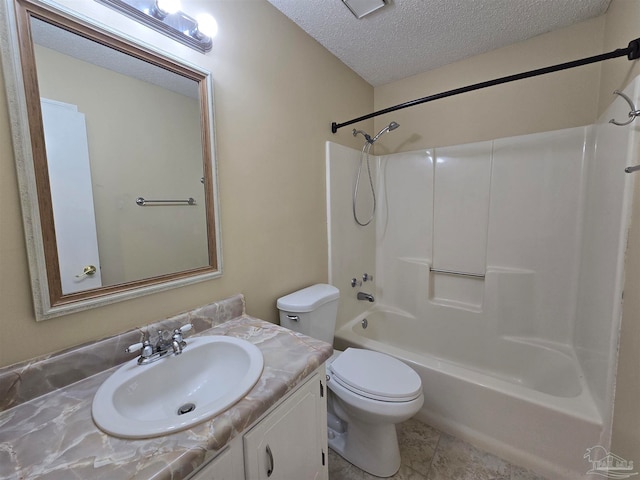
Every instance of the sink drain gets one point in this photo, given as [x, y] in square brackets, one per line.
[186, 408]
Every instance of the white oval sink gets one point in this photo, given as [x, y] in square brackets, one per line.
[179, 391]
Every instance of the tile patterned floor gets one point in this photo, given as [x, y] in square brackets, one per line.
[428, 454]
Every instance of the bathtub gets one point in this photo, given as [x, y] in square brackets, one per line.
[524, 401]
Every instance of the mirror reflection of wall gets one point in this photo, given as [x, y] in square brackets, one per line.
[144, 139]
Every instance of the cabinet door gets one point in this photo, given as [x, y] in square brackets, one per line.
[226, 466]
[290, 443]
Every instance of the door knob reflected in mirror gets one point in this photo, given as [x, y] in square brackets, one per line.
[88, 270]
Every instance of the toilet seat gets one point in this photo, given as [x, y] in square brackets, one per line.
[376, 375]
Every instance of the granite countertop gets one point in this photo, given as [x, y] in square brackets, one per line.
[53, 436]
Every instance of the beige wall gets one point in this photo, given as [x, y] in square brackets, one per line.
[623, 25]
[276, 93]
[558, 100]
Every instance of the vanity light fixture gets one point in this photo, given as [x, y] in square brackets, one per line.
[360, 8]
[162, 8]
[166, 17]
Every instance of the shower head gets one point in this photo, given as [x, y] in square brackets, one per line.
[388, 128]
[367, 137]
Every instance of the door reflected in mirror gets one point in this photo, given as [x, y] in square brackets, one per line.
[110, 123]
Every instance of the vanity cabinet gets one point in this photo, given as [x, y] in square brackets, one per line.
[288, 442]
[227, 465]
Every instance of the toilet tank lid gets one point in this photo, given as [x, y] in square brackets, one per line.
[308, 299]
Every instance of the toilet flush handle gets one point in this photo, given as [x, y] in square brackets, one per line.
[294, 318]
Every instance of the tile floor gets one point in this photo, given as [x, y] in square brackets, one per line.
[428, 454]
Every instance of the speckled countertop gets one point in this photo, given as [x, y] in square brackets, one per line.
[46, 429]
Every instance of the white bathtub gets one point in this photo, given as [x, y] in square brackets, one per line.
[526, 402]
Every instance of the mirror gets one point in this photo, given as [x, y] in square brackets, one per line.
[115, 155]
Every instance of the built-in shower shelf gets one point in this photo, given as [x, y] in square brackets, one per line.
[457, 290]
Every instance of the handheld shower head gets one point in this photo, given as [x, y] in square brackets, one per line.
[365, 154]
[388, 128]
[367, 137]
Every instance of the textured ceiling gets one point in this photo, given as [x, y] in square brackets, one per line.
[407, 37]
[89, 51]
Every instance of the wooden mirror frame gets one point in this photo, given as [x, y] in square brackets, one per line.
[23, 98]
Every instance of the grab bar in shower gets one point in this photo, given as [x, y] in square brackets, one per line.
[142, 202]
[460, 274]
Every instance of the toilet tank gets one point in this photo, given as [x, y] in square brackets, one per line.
[312, 311]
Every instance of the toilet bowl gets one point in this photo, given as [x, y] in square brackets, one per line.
[369, 392]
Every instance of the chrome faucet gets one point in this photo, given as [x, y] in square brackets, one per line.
[165, 345]
[366, 296]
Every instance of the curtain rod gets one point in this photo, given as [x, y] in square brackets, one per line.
[632, 52]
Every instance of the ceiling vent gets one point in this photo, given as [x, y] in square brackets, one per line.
[360, 8]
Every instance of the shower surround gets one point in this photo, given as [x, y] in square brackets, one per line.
[520, 357]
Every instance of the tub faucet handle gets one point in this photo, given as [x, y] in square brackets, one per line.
[367, 278]
[355, 282]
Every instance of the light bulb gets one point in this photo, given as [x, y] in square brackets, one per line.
[168, 7]
[207, 25]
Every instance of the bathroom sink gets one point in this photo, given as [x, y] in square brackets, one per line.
[174, 393]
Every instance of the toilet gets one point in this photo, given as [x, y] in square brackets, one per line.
[369, 392]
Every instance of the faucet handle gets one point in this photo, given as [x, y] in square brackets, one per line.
[184, 329]
[144, 341]
[178, 332]
[134, 348]
[144, 347]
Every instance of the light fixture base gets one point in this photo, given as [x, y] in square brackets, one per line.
[178, 26]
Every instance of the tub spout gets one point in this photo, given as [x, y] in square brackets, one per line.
[366, 296]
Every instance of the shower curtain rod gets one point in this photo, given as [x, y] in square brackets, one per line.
[632, 52]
